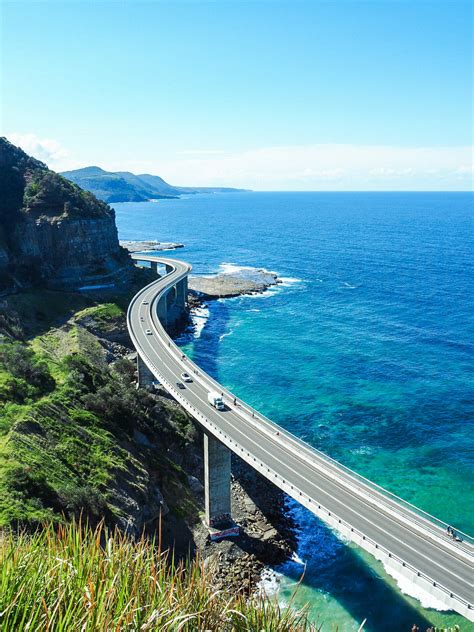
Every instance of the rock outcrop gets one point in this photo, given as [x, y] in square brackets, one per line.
[52, 233]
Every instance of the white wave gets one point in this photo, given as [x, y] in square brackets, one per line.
[296, 558]
[408, 588]
[269, 583]
[268, 293]
[232, 268]
[287, 281]
[228, 333]
[348, 286]
[199, 318]
[363, 449]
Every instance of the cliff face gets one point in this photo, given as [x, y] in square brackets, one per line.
[52, 232]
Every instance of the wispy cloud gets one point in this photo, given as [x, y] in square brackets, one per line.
[45, 149]
[328, 166]
[200, 152]
[295, 167]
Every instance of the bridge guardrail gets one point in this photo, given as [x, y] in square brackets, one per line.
[382, 494]
[430, 522]
[228, 441]
[427, 518]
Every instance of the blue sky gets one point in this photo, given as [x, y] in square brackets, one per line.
[269, 95]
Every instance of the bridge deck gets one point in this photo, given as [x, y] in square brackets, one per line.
[327, 488]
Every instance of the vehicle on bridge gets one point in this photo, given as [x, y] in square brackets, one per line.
[186, 377]
[216, 400]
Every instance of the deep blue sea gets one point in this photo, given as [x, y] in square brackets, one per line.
[365, 351]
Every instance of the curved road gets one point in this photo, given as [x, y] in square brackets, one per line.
[402, 536]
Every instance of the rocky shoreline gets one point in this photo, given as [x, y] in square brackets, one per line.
[229, 284]
[267, 533]
[149, 246]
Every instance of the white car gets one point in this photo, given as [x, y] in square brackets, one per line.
[186, 377]
[148, 332]
[145, 303]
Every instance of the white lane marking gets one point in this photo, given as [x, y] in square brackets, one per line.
[226, 419]
[328, 469]
[327, 466]
[331, 480]
[326, 493]
[305, 465]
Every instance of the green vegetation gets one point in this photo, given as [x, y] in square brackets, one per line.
[49, 194]
[68, 424]
[28, 186]
[74, 578]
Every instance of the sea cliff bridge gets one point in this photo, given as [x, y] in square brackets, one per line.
[408, 541]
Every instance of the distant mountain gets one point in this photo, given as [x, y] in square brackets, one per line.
[123, 186]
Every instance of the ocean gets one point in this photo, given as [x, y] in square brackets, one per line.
[365, 351]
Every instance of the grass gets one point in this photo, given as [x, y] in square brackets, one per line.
[67, 424]
[103, 313]
[77, 578]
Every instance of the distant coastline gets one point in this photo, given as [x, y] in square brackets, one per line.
[124, 186]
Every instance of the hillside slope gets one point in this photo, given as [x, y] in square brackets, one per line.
[123, 186]
[76, 435]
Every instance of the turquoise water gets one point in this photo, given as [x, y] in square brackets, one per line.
[365, 352]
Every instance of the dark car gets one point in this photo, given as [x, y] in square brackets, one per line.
[180, 385]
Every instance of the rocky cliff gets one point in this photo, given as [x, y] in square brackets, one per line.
[53, 233]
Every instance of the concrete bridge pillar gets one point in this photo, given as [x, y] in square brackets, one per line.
[154, 267]
[162, 311]
[182, 293]
[216, 481]
[145, 376]
[174, 304]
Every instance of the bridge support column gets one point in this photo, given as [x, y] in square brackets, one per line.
[216, 481]
[182, 294]
[162, 311]
[145, 376]
[154, 267]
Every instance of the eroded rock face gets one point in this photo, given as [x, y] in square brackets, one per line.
[71, 252]
[52, 232]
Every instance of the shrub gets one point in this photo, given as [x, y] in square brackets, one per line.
[31, 377]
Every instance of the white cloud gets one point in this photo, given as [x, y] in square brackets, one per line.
[200, 152]
[466, 170]
[329, 166]
[45, 149]
[294, 167]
